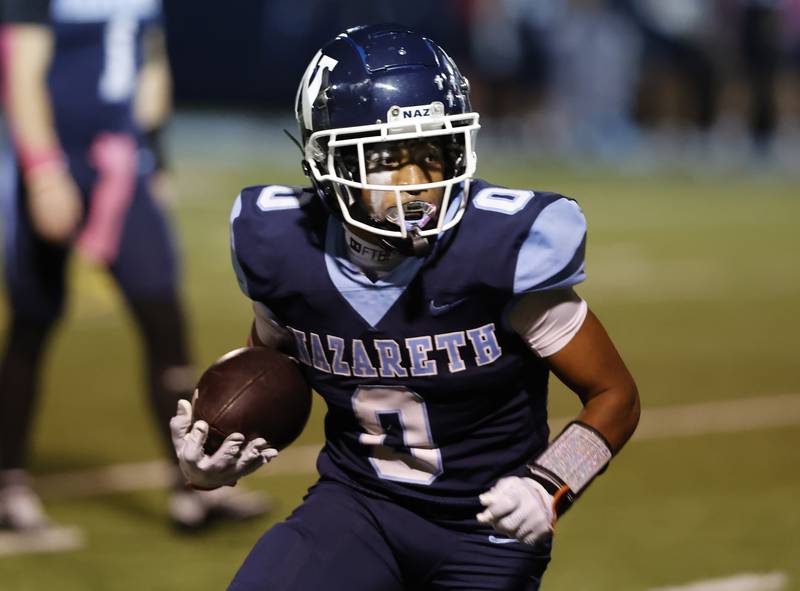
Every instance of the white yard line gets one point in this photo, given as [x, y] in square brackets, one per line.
[726, 416]
[743, 582]
[51, 539]
[296, 460]
[723, 416]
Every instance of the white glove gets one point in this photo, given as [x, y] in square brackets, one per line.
[519, 508]
[227, 465]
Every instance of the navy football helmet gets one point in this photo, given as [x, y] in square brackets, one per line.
[368, 88]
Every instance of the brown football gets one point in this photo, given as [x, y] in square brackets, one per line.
[255, 391]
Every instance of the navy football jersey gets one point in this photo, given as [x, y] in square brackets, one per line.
[97, 56]
[24, 11]
[431, 396]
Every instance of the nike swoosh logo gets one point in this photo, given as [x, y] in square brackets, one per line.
[438, 309]
[496, 540]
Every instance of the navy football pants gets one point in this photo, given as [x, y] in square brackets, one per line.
[340, 539]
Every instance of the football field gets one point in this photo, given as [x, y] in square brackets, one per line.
[696, 278]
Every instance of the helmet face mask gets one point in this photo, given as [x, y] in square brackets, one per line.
[359, 103]
[344, 164]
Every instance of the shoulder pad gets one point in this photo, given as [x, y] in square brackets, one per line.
[515, 241]
[265, 221]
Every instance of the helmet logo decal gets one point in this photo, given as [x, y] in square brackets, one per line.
[434, 110]
[312, 82]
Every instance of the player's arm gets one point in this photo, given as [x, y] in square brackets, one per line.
[266, 331]
[558, 327]
[28, 49]
[153, 100]
[53, 199]
[590, 366]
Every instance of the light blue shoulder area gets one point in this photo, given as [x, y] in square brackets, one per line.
[552, 255]
[236, 210]
[371, 300]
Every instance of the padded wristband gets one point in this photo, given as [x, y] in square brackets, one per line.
[570, 463]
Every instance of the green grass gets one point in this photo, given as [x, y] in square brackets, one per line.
[131, 546]
[696, 279]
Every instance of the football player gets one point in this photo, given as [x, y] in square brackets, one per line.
[72, 72]
[428, 308]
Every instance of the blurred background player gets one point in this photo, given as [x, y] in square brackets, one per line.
[428, 308]
[86, 94]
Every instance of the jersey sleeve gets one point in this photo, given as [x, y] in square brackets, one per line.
[552, 254]
[25, 11]
[264, 226]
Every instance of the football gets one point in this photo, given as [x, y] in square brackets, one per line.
[255, 391]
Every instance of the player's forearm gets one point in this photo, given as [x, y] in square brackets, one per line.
[29, 51]
[153, 101]
[592, 368]
[268, 332]
[253, 340]
[614, 413]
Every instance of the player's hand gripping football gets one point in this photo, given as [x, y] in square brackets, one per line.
[519, 508]
[235, 458]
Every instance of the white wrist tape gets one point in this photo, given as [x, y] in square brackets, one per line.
[576, 456]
